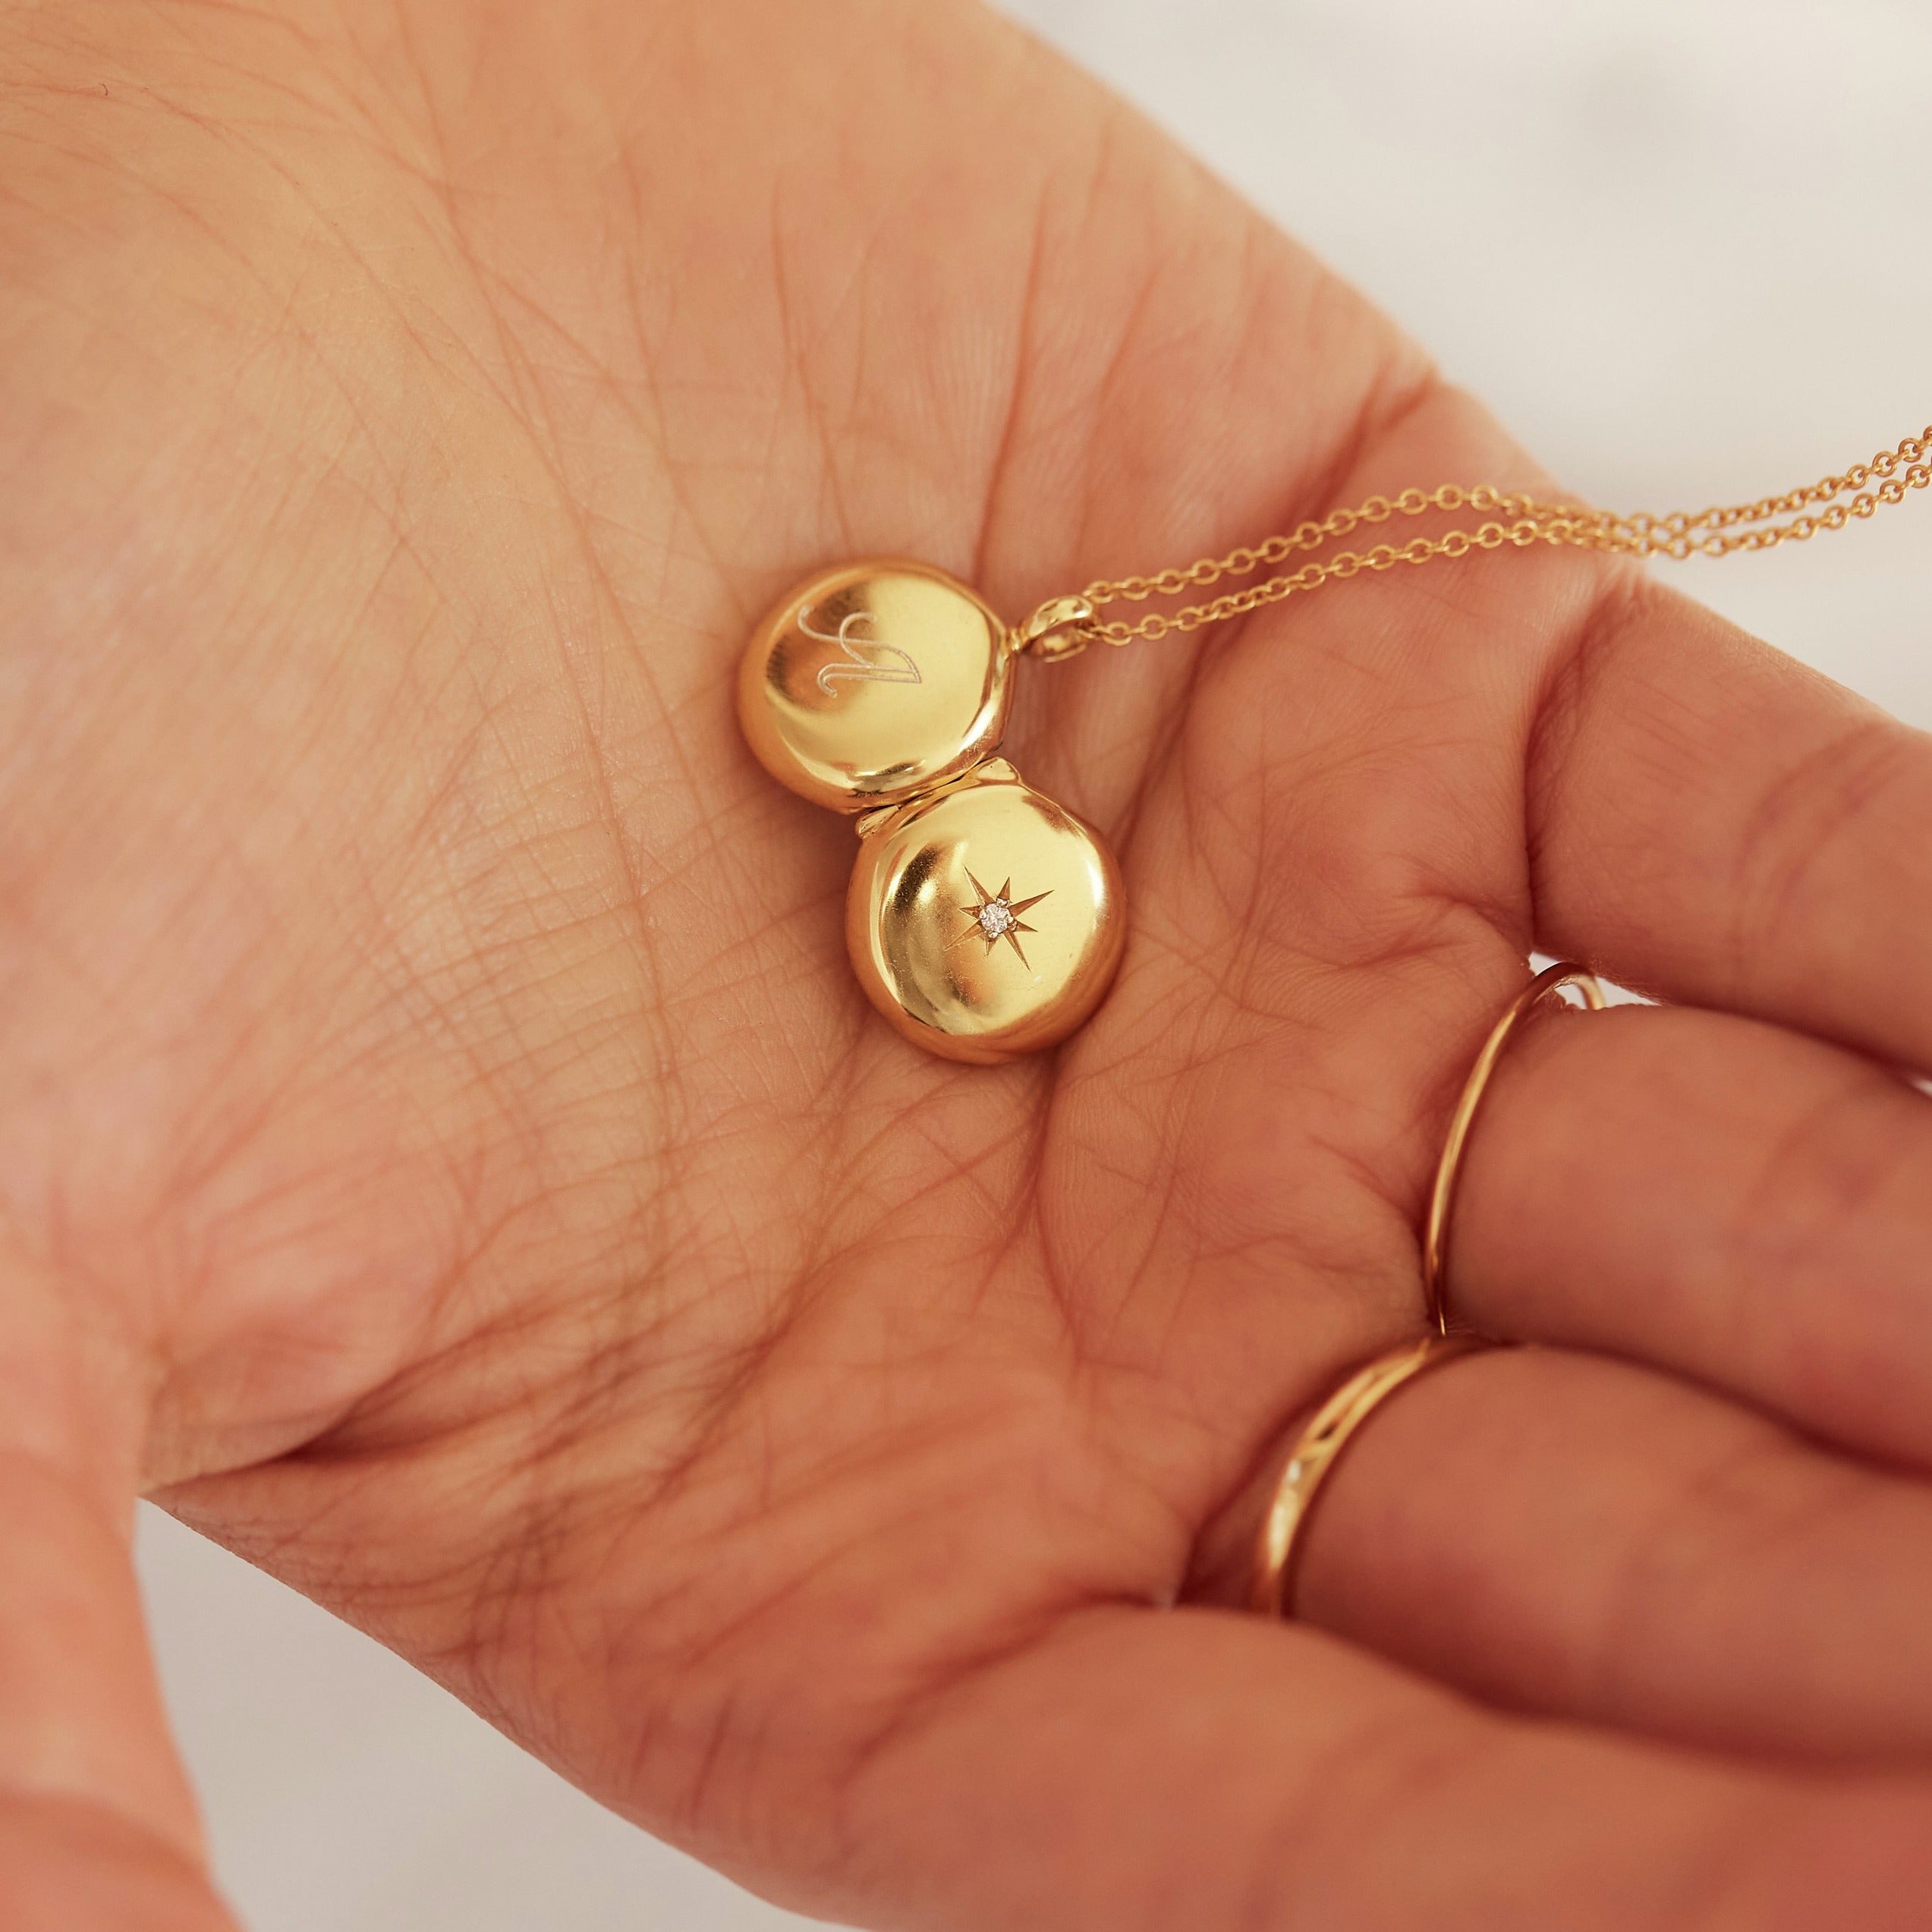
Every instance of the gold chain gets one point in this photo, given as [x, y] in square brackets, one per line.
[1064, 626]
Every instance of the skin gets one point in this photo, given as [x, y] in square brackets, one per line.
[444, 1156]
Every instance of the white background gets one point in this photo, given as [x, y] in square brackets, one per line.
[1681, 245]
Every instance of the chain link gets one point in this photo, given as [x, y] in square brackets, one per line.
[1512, 520]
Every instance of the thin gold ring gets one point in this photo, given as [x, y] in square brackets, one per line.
[1270, 1589]
[1435, 1235]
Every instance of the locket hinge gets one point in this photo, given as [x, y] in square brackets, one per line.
[998, 770]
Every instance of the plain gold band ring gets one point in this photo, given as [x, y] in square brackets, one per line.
[1271, 1587]
[1550, 983]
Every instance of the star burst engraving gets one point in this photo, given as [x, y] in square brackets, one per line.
[997, 917]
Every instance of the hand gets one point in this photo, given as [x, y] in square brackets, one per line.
[446, 1156]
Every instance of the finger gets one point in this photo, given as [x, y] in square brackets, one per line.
[79, 1714]
[1711, 822]
[66, 1867]
[97, 1827]
[1715, 1196]
[1144, 1769]
[1569, 1534]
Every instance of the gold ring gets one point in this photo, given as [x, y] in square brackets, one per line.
[1435, 1235]
[1314, 1453]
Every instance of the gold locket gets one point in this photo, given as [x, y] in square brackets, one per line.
[881, 690]
[983, 920]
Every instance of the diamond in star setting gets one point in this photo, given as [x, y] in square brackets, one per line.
[996, 917]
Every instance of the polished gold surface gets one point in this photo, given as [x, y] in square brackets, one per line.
[874, 682]
[1547, 984]
[1830, 503]
[1271, 1586]
[984, 922]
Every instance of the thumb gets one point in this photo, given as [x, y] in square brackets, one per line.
[97, 1826]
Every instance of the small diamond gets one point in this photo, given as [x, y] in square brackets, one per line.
[995, 916]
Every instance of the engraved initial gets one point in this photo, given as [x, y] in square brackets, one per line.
[866, 659]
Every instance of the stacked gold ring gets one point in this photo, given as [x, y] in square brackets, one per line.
[1549, 984]
[1320, 1444]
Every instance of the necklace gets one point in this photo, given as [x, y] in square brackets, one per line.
[881, 689]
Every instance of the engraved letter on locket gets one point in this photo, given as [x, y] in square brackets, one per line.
[857, 666]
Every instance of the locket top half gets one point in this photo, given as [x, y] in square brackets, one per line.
[872, 683]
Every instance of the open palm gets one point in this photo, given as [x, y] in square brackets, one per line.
[446, 1156]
